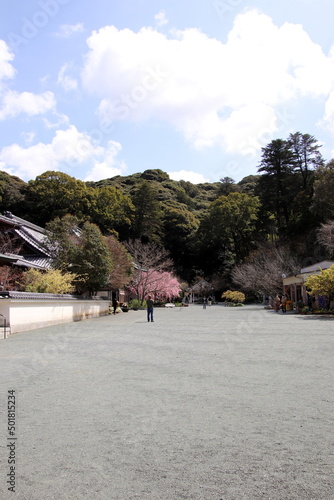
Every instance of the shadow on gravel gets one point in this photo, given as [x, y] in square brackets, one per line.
[313, 317]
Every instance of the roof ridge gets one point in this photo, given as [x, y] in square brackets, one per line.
[14, 219]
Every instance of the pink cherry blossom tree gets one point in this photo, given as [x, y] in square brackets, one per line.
[153, 272]
[160, 284]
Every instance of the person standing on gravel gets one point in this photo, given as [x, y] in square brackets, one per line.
[149, 305]
[114, 304]
[283, 304]
[277, 303]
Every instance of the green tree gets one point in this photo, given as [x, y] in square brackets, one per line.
[155, 175]
[179, 228]
[306, 156]
[276, 187]
[92, 260]
[83, 251]
[227, 233]
[112, 210]
[286, 186]
[249, 184]
[12, 194]
[55, 194]
[63, 239]
[307, 159]
[322, 204]
[227, 186]
[147, 219]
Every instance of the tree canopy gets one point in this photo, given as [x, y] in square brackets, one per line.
[207, 228]
[55, 194]
[81, 250]
[227, 232]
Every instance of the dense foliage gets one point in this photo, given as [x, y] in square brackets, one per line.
[83, 251]
[212, 231]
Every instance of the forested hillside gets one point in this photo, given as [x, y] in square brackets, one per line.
[212, 230]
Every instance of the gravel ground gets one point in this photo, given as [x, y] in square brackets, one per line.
[223, 403]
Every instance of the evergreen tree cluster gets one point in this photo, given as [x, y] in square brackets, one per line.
[209, 229]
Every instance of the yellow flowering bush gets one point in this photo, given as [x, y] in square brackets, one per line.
[50, 281]
[235, 297]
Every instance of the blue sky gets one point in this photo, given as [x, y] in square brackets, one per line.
[195, 88]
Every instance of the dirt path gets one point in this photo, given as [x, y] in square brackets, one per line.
[222, 403]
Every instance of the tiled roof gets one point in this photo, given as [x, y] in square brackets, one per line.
[17, 221]
[44, 296]
[34, 236]
[34, 261]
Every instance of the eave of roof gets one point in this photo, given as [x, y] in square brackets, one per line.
[31, 240]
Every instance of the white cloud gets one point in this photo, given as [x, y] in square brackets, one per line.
[68, 148]
[6, 69]
[161, 19]
[328, 119]
[212, 92]
[59, 119]
[65, 81]
[110, 166]
[188, 175]
[68, 30]
[28, 137]
[103, 171]
[14, 104]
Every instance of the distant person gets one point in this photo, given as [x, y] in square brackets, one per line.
[114, 305]
[205, 301]
[149, 305]
[283, 303]
[277, 303]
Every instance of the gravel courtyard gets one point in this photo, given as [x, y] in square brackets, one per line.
[223, 403]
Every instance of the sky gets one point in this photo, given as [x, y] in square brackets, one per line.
[195, 88]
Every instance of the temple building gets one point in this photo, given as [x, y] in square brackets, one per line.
[22, 243]
[294, 286]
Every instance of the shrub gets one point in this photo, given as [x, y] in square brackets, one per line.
[137, 304]
[232, 296]
[322, 284]
[51, 281]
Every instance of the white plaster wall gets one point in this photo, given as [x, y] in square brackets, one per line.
[23, 315]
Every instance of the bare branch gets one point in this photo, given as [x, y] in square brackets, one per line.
[262, 274]
[149, 255]
[325, 236]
